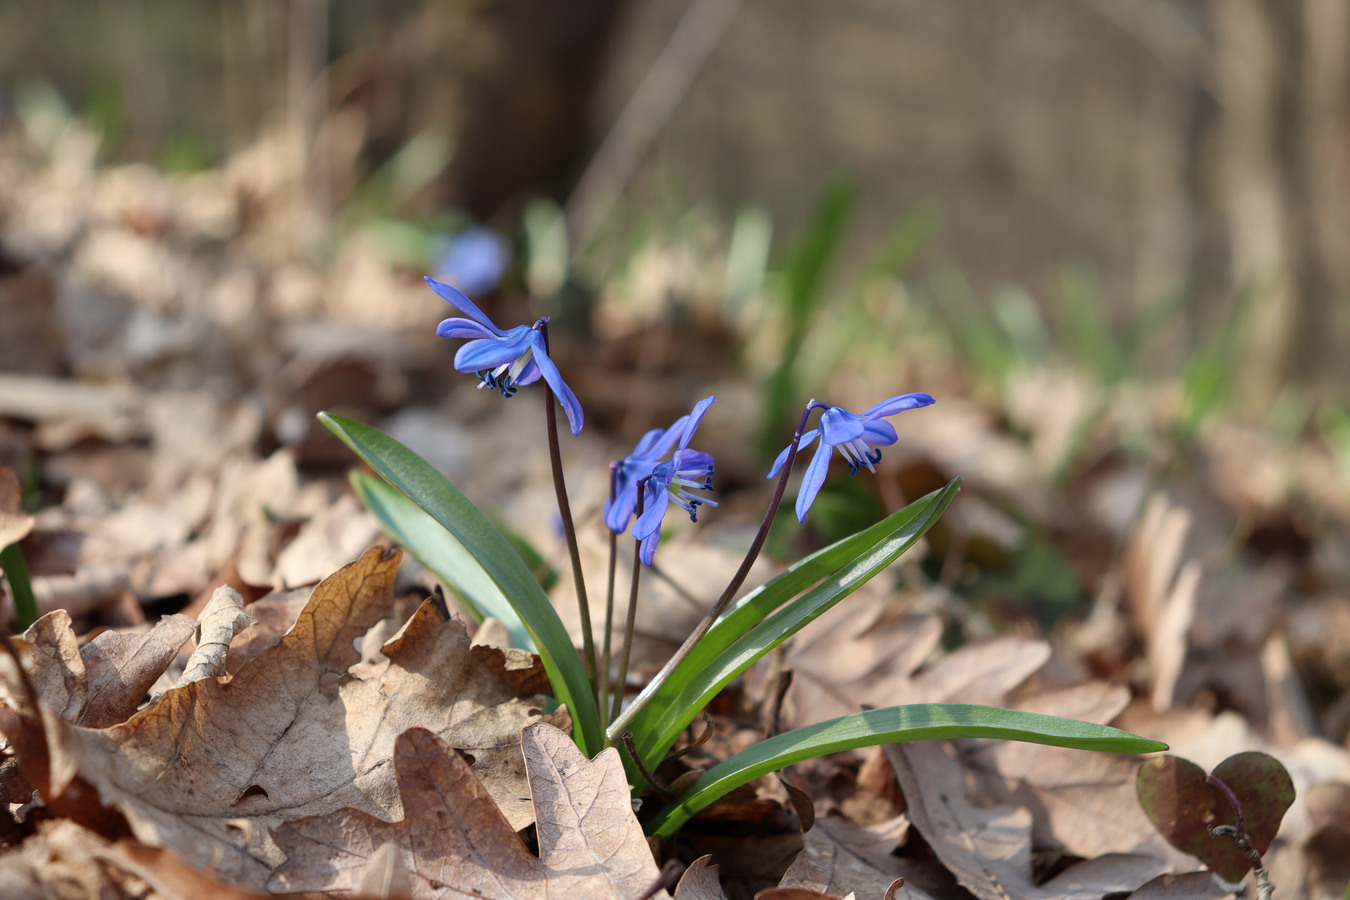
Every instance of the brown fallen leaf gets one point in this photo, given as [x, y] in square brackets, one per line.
[65, 861]
[832, 867]
[1084, 802]
[101, 683]
[700, 882]
[1160, 592]
[1190, 886]
[988, 848]
[211, 767]
[15, 523]
[456, 842]
[223, 618]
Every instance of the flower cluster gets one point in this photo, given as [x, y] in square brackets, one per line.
[507, 360]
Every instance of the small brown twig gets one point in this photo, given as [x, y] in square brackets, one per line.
[1238, 835]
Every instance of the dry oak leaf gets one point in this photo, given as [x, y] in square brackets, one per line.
[457, 844]
[212, 767]
[100, 684]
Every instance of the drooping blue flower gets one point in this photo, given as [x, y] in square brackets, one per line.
[504, 360]
[475, 259]
[650, 450]
[855, 436]
[671, 481]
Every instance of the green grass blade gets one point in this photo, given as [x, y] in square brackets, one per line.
[734, 644]
[16, 573]
[422, 536]
[420, 482]
[924, 721]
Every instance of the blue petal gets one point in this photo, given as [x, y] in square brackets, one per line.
[464, 328]
[879, 433]
[463, 304]
[619, 510]
[646, 444]
[691, 460]
[657, 502]
[838, 426]
[894, 405]
[488, 353]
[814, 478]
[647, 549]
[569, 401]
[782, 457]
[691, 421]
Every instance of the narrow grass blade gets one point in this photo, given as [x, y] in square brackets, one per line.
[16, 573]
[437, 549]
[420, 482]
[734, 644]
[925, 721]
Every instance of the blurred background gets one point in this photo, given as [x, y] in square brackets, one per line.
[1108, 235]
[1181, 164]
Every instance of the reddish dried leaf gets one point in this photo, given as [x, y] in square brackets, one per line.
[1183, 804]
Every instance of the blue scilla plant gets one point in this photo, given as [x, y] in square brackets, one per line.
[428, 515]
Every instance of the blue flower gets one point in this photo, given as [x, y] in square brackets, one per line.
[854, 436]
[504, 360]
[650, 450]
[669, 481]
[475, 259]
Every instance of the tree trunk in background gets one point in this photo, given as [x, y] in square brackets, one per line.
[525, 125]
[1282, 153]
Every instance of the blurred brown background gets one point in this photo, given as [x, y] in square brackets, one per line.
[1164, 146]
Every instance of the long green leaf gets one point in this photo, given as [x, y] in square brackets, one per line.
[924, 721]
[763, 600]
[437, 549]
[432, 491]
[677, 702]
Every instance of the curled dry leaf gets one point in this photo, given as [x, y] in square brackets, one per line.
[101, 683]
[457, 843]
[223, 618]
[213, 766]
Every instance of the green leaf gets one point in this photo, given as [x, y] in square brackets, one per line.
[745, 634]
[924, 721]
[434, 547]
[420, 482]
[16, 573]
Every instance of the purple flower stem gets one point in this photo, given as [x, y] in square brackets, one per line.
[621, 680]
[565, 511]
[609, 598]
[623, 721]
